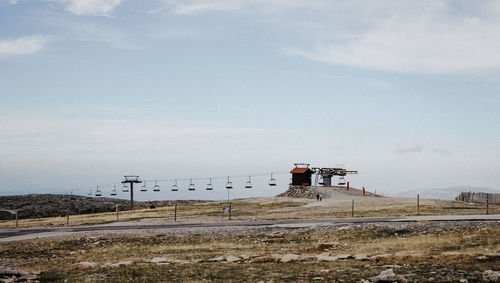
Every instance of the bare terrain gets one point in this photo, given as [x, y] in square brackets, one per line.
[268, 239]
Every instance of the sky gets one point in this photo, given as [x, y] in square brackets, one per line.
[405, 92]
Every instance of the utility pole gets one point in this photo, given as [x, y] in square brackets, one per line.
[131, 180]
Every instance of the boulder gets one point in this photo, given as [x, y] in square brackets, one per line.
[325, 258]
[289, 257]
[380, 256]
[361, 257]
[491, 276]
[158, 260]
[232, 258]
[219, 258]
[387, 276]
[86, 264]
[264, 259]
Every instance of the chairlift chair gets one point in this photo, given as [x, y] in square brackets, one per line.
[272, 181]
[321, 181]
[144, 188]
[209, 186]
[174, 187]
[156, 188]
[341, 181]
[248, 184]
[98, 192]
[113, 191]
[229, 184]
[191, 185]
[125, 188]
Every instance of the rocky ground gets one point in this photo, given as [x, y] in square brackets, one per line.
[374, 252]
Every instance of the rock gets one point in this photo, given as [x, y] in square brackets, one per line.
[86, 264]
[317, 278]
[264, 259]
[158, 260]
[329, 245]
[464, 281]
[275, 234]
[491, 276]
[344, 256]
[245, 257]
[388, 276]
[481, 257]
[380, 256]
[289, 257]
[361, 257]
[451, 253]
[177, 261]
[325, 258]
[219, 258]
[231, 258]
[493, 255]
[72, 253]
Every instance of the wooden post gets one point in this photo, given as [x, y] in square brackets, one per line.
[67, 219]
[364, 192]
[352, 210]
[418, 204]
[487, 204]
[117, 217]
[17, 222]
[347, 186]
[230, 208]
[175, 212]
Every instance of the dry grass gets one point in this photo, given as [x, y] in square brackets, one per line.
[274, 209]
[57, 258]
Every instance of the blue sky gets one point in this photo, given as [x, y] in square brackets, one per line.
[406, 92]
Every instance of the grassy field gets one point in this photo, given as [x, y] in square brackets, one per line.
[419, 255]
[271, 209]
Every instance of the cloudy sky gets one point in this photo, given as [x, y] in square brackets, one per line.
[406, 92]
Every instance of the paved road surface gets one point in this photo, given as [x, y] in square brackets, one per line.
[7, 235]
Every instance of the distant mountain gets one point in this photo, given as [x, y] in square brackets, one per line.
[449, 193]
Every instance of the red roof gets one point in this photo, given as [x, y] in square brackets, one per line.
[300, 170]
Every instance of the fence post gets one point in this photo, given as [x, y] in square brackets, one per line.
[347, 186]
[67, 219]
[175, 212]
[17, 223]
[230, 209]
[117, 217]
[352, 209]
[364, 192]
[487, 204]
[418, 204]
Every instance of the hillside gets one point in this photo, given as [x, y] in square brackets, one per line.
[51, 205]
[449, 193]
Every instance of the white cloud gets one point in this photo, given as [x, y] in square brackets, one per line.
[23, 45]
[92, 7]
[85, 7]
[408, 148]
[427, 37]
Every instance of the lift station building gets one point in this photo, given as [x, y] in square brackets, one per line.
[301, 175]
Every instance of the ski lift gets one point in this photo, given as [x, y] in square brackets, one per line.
[209, 186]
[113, 191]
[125, 188]
[174, 187]
[229, 184]
[248, 184]
[98, 192]
[191, 185]
[144, 188]
[321, 181]
[90, 193]
[156, 188]
[341, 181]
[272, 181]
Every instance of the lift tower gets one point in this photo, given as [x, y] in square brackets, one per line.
[131, 180]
